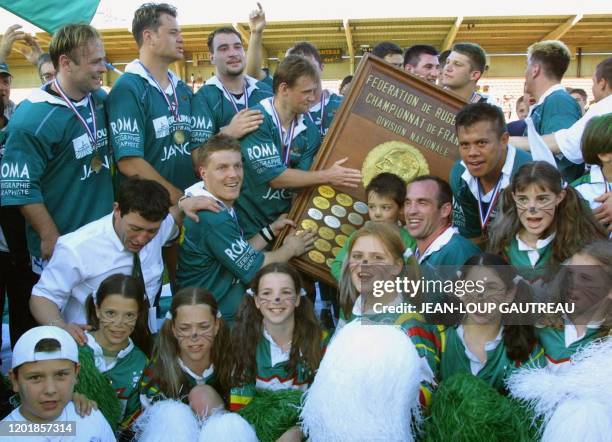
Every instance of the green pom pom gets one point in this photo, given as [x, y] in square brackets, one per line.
[95, 386]
[273, 412]
[466, 408]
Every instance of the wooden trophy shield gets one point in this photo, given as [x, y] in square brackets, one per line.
[390, 121]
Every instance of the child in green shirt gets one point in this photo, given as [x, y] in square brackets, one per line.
[543, 222]
[385, 195]
[490, 343]
[191, 348]
[583, 286]
[277, 340]
[117, 347]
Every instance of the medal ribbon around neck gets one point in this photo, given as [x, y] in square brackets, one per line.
[285, 141]
[91, 134]
[484, 220]
[172, 107]
[233, 99]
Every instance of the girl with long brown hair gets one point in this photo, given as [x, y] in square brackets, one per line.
[191, 348]
[277, 337]
[542, 222]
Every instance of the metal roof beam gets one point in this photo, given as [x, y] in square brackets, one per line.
[349, 43]
[562, 29]
[452, 34]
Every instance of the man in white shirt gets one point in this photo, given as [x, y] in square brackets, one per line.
[45, 365]
[127, 241]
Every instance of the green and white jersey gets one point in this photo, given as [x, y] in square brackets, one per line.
[215, 103]
[215, 255]
[272, 372]
[263, 160]
[124, 375]
[448, 249]
[336, 267]
[592, 185]
[531, 263]
[150, 390]
[142, 125]
[47, 160]
[466, 192]
[324, 111]
[560, 344]
[556, 110]
[457, 358]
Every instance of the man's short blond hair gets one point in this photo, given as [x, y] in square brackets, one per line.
[70, 40]
[553, 55]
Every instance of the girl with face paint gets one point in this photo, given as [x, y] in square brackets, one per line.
[585, 282]
[543, 222]
[117, 346]
[278, 339]
[191, 348]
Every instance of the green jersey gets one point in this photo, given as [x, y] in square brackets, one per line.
[150, 389]
[559, 110]
[214, 254]
[323, 112]
[214, 103]
[336, 267]
[272, 372]
[142, 124]
[124, 375]
[48, 160]
[532, 264]
[592, 185]
[264, 159]
[467, 191]
[560, 344]
[457, 358]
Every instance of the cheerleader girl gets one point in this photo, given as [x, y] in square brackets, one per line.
[375, 254]
[584, 286]
[543, 221]
[277, 339]
[487, 343]
[192, 346]
[116, 348]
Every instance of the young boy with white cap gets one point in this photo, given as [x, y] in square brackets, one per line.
[44, 372]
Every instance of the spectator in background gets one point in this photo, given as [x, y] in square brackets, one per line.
[517, 128]
[422, 60]
[46, 71]
[29, 49]
[580, 96]
[390, 52]
[345, 85]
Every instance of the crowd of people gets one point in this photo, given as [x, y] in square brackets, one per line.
[107, 197]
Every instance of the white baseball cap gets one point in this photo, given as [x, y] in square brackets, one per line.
[24, 348]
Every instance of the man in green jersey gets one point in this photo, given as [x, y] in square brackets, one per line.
[486, 166]
[215, 253]
[326, 102]
[149, 107]
[56, 165]
[277, 156]
[225, 103]
[555, 109]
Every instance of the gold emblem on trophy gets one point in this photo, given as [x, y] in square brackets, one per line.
[395, 157]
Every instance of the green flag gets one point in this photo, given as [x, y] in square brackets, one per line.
[50, 15]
